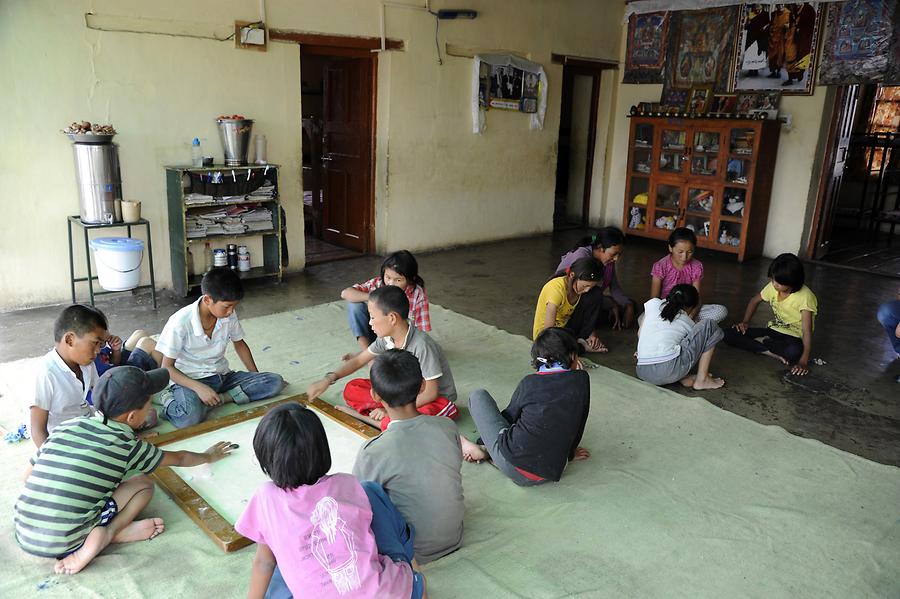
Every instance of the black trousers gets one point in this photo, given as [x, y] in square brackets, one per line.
[587, 316]
[787, 346]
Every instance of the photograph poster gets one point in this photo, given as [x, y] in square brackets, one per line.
[776, 47]
[507, 82]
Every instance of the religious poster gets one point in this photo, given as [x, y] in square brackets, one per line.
[646, 53]
[776, 47]
[700, 47]
[857, 43]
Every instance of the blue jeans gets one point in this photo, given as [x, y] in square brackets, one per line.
[889, 316]
[358, 317]
[393, 536]
[186, 409]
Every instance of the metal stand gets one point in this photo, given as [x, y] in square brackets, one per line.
[90, 278]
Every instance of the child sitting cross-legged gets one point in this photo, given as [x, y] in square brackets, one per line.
[671, 344]
[788, 338]
[68, 372]
[538, 433]
[320, 535]
[80, 494]
[193, 346]
[388, 310]
[427, 489]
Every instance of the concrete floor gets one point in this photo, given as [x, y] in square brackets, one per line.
[498, 283]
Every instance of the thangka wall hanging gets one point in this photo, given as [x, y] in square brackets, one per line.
[506, 82]
[645, 57]
[700, 47]
[857, 42]
[776, 48]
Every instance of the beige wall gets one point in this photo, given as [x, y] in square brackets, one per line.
[437, 184]
[795, 173]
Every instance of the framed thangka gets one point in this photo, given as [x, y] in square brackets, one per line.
[700, 47]
[857, 41]
[646, 53]
[776, 47]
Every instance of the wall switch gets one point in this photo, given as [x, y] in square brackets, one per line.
[250, 35]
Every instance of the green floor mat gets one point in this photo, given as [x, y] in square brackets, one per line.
[679, 498]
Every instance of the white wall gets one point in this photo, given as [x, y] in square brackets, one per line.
[437, 184]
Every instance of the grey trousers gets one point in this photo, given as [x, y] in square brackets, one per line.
[490, 423]
[703, 337]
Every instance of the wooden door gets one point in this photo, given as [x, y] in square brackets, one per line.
[347, 152]
[833, 168]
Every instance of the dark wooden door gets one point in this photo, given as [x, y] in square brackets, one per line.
[842, 127]
[347, 153]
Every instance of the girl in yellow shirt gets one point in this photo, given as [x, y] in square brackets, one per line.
[560, 295]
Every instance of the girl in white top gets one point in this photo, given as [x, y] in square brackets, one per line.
[671, 344]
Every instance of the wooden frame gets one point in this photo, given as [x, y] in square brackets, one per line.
[704, 93]
[208, 519]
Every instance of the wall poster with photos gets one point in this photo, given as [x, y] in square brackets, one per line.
[857, 43]
[506, 82]
[648, 35]
[776, 47]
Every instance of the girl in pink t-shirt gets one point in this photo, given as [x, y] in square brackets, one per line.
[680, 268]
[320, 535]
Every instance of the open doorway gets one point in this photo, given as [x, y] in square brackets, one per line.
[338, 116]
[577, 139]
[857, 214]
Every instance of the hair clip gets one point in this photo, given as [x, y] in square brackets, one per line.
[541, 360]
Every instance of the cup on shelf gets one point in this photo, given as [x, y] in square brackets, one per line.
[131, 211]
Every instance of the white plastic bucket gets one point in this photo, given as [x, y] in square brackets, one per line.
[118, 261]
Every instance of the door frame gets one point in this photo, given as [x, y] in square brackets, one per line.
[593, 68]
[352, 47]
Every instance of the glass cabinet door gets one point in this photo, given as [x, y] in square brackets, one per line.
[667, 206]
[639, 188]
[642, 150]
[701, 202]
[672, 154]
[705, 153]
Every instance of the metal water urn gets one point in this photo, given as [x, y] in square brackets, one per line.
[99, 180]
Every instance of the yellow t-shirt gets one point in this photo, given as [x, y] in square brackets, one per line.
[787, 311]
[554, 292]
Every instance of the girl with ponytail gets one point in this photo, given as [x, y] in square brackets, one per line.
[671, 344]
[560, 297]
[604, 247]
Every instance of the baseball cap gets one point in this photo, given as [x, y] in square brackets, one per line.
[125, 388]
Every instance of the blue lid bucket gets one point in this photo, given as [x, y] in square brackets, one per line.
[118, 261]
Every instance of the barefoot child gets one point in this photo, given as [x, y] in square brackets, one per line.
[193, 346]
[417, 459]
[76, 499]
[557, 305]
[606, 247]
[388, 309]
[681, 268]
[401, 270]
[537, 435]
[788, 338]
[320, 535]
[671, 344]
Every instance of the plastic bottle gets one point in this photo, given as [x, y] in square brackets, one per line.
[208, 254]
[196, 153]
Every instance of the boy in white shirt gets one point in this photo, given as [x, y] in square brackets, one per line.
[193, 346]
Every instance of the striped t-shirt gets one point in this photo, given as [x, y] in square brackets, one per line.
[74, 472]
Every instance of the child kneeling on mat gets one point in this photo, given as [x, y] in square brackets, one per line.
[671, 344]
[80, 494]
[537, 435]
[193, 346]
[320, 535]
[417, 459]
[388, 310]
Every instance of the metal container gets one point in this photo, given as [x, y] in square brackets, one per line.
[99, 181]
[235, 136]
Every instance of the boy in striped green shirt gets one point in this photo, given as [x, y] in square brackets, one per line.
[76, 499]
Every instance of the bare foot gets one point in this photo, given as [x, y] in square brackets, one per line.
[708, 383]
[140, 530]
[73, 563]
[351, 412]
[776, 356]
[687, 381]
[225, 398]
[472, 452]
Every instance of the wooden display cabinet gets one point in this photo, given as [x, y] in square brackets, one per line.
[711, 175]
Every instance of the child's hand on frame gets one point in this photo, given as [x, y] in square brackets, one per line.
[742, 327]
[800, 369]
[581, 454]
[219, 451]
